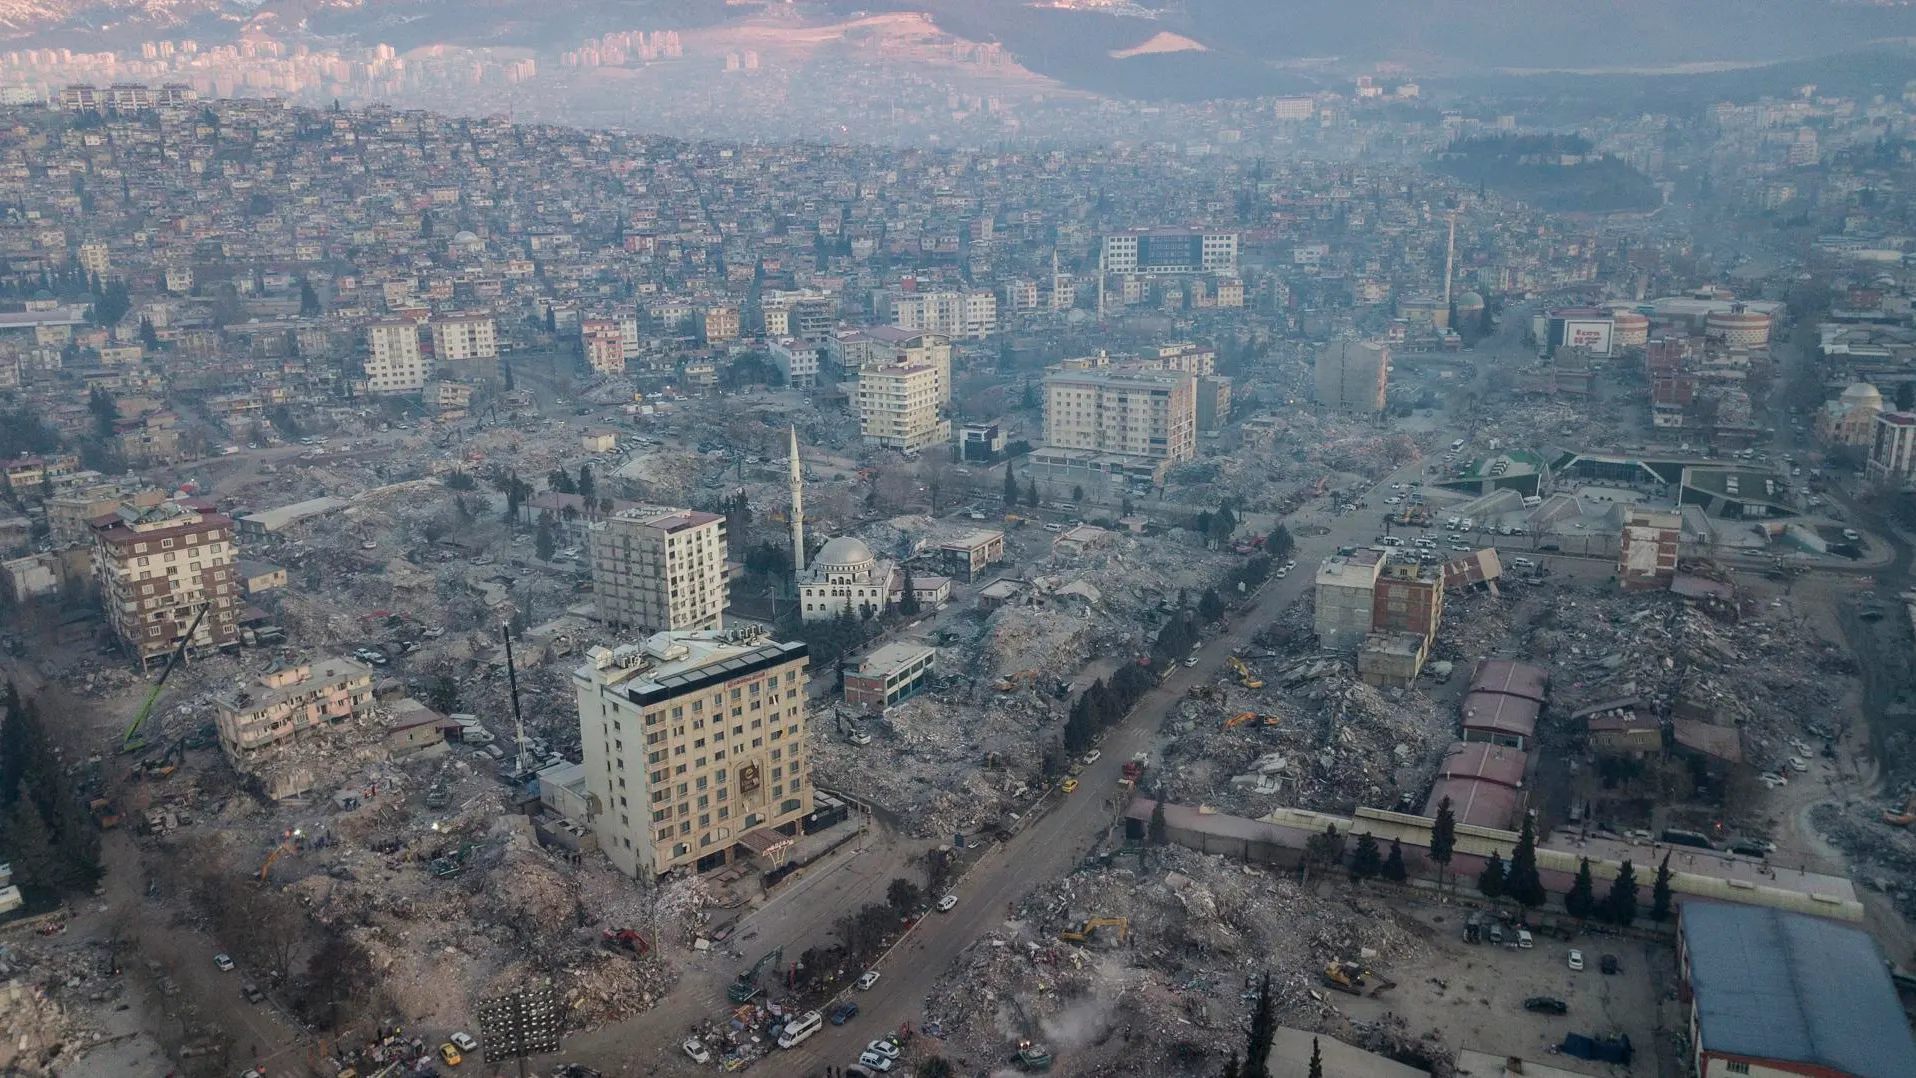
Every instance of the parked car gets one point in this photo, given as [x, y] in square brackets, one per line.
[449, 1053]
[465, 1042]
[946, 903]
[223, 963]
[1609, 964]
[251, 994]
[1576, 960]
[1546, 1005]
[842, 1013]
[874, 1061]
[1092, 757]
[883, 1048]
[696, 1049]
[867, 979]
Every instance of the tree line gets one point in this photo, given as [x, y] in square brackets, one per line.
[46, 829]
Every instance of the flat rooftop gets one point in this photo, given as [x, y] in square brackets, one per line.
[1356, 570]
[893, 657]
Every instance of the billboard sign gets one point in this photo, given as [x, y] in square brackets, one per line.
[1589, 334]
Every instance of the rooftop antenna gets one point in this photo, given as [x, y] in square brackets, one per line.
[798, 510]
[518, 718]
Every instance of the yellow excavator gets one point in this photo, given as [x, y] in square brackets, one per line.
[1241, 719]
[1012, 682]
[1905, 817]
[1083, 933]
[1244, 675]
[1350, 977]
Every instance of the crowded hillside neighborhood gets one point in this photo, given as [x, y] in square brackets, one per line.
[1096, 609]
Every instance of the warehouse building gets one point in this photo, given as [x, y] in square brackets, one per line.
[1773, 993]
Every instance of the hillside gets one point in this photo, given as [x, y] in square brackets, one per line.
[1560, 173]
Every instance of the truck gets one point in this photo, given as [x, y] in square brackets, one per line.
[1133, 771]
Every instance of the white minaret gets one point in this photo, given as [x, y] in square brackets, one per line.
[1450, 259]
[798, 508]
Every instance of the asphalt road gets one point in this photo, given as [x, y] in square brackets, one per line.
[1053, 843]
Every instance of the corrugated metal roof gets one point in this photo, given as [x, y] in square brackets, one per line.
[1477, 802]
[1780, 986]
[1505, 714]
[1513, 678]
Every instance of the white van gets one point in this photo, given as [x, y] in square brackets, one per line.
[1466, 525]
[1523, 563]
[1390, 540]
[1532, 502]
[1451, 524]
[801, 1030]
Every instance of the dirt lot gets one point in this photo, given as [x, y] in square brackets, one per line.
[1475, 994]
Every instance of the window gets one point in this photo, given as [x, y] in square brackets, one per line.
[1735, 1067]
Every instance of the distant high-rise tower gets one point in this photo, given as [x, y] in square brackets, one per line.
[798, 509]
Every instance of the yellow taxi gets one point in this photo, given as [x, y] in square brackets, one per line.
[1070, 785]
[450, 1053]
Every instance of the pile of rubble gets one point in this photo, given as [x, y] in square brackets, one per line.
[1881, 856]
[46, 993]
[1197, 933]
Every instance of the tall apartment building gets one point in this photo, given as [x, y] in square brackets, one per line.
[604, 345]
[694, 749]
[659, 570]
[856, 350]
[462, 337]
[1892, 455]
[721, 324]
[1346, 591]
[393, 362]
[1169, 250]
[1128, 411]
[288, 705]
[898, 407]
[971, 314]
[1408, 598]
[1351, 375]
[157, 567]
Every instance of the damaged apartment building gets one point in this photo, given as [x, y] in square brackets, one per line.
[694, 749]
[262, 726]
[1388, 612]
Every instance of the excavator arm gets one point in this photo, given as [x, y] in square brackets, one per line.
[132, 741]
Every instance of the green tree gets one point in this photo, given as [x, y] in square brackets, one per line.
[308, 299]
[908, 596]
[105, 411]
[505, 373]
[1158, 832]
[543, 544]
[27, 842]
[1660, 893]
[1443, 838]
[149, 337]
[1490, 882]
[1257, 1046]
[1581, 900]
[1394, 869]
[1011, 487]
[586, 486]
[444, 697]
[1210, 607]
[1524, 884]
[1317, 1060]
[561, 481]
[1620, 905]
[1367, 859]
[903, 896]
[1031, 493]
[1077, 492]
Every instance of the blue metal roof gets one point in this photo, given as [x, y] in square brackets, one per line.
[1794, 988]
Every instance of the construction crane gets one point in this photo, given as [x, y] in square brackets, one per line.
[133, 741]
[1084, 932]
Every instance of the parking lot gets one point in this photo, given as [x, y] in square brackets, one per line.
[1474, 994]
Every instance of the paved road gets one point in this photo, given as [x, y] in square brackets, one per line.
[1050, 847]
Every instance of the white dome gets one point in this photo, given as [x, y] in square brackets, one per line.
[1863, 395]
[845, 552]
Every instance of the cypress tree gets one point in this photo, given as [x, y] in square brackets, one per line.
[1490, 882]
[1580, 901]
[1394, 869]
[1620, 905]
[1443, 838]
[1660, 893]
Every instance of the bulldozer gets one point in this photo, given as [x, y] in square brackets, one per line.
[1349, 977]
[1905, 817]
[1084, 932]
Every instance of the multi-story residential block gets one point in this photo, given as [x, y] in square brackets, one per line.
[694, 749]
[969, 314]
[1351, 375]
[604, 342]
[796, 360]
[1094, 407]
[158, 568]
[394, 363]
[32, 474]
[1170, 250]
[659, 570]
[70, 515]
[462, 337]
[898, 407]
[1892, 456]
[1408, 598]
[93, 258]
[855, 350]
[721, 324]
[288, 705]
[1346, 590]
